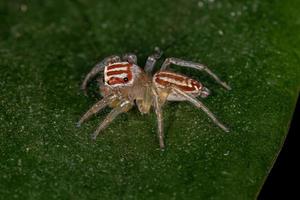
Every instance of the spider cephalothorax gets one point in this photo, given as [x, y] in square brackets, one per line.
[126, 84]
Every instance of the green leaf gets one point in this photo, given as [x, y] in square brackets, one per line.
[47, 47]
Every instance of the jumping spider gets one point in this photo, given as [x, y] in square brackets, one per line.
[126, 84]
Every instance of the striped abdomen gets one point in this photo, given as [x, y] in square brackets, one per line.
[165, 79]
[120, 74]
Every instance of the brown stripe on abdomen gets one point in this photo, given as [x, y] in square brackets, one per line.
[118, 65]
[117, 72]
[172, 76]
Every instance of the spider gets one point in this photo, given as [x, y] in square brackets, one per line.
[125, 84]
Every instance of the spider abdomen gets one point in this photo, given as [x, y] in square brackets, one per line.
[164, 79]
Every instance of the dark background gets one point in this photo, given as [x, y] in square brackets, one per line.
[283, 179]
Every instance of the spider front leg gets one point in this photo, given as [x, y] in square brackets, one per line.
[152, 60]
[200, 105]
[98, 68]
[122, 107]
[130, 57]
[96, 108]
[158, 111]
[193, 65]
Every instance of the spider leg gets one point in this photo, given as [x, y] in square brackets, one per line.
[95, 109]
[98, 68]
[152, 60]
[130, 57]
[124, 106]
[158, 111]
[199, 104]
[193, 65]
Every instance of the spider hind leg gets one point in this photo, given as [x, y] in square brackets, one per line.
[200, 105]
[198, 66]
[158, 111]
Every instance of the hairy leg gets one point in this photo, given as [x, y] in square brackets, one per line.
[95, 109]
[198, 66]
[152, 60]
[200, 105]
[98, 68]
[158, 111]
[130, 57]
[124, 106]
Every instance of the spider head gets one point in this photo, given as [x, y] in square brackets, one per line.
[121, 74]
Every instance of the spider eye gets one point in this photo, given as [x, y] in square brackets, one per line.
[125, 79]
